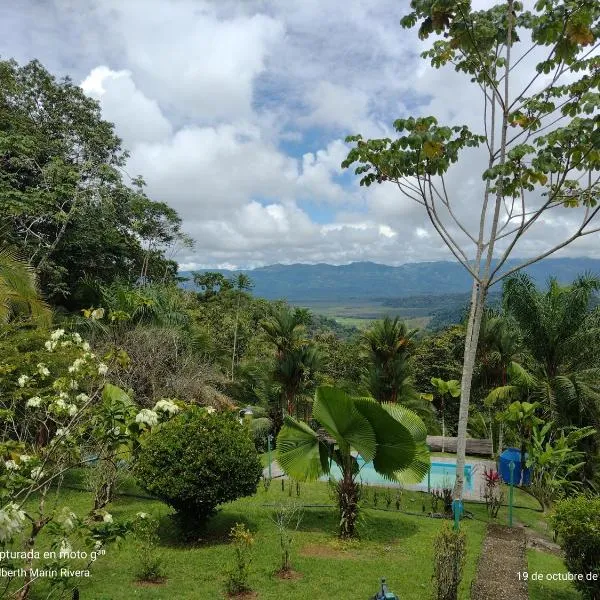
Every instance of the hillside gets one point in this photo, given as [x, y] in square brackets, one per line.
[372, 282]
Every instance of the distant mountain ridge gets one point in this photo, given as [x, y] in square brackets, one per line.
[373, 281]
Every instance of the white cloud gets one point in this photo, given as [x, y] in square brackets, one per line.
[235, 114]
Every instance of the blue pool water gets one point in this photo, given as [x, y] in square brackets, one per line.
[441, 475]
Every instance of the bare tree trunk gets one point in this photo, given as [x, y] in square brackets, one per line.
[472, 338]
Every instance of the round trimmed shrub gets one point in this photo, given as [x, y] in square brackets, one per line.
[197, 461]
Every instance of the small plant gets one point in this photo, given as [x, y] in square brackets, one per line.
[449, 560]
[266, 481]
[375, 498]
[298, 489]
[443, 495]
[492, 492]
[398, 499]
[287, 518]
[388, 498]
[237, 576]
[150, 562]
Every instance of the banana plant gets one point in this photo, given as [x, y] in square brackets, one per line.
[388, 435]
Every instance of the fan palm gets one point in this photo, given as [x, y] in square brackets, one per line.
[388, 435]
[19, 289]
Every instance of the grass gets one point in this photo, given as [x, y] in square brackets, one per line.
[544, 563]
[392, 544]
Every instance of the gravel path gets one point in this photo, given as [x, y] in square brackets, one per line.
[502, 559]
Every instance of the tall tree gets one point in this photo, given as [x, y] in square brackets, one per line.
[66, 205]
[540, 139]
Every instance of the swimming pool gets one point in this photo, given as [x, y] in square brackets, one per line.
[442, 474]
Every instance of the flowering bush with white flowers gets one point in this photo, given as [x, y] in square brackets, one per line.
[59, 412]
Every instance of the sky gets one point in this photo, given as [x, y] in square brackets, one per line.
[235, 113]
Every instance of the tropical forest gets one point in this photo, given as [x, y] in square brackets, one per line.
[300, 301]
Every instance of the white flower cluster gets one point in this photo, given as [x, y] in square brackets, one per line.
[67, 520]
[43, 370]
[210, 410]
[37, 473]
[23, 379]
[77, 364]
[97, 313]
[147, 417]
[33, 402]
[166, 406]
[12, 520]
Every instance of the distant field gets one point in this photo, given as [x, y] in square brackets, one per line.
[361, 314]
[361, 323]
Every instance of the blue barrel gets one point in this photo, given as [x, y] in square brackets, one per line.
[521, 475]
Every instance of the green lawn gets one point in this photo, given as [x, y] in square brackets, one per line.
[542, 562]
[393, 544]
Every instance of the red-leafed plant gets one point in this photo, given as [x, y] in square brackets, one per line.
[492, 492]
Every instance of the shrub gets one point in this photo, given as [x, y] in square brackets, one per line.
[237, 576]
[198, 460]
[576, 522]
[449, 559]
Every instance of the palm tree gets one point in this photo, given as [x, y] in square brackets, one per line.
[241, 283]
[563, 336]
[295, 372]
[389, 372]
[19, 293]
[284, 329]
[386, 434]
[295, 359]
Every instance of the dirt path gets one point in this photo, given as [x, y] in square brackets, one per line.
[502, 559]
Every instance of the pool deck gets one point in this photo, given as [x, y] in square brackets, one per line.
[478, 467]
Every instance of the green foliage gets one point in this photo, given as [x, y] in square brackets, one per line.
[439, 356]
[389, 435]
[575, 520]
[238, 575]
[197, 461]
[66, 207]
[448, 563]
[388, 344]
[19, 290]
[555, 462]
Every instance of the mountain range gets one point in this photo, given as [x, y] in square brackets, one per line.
[368, 281]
